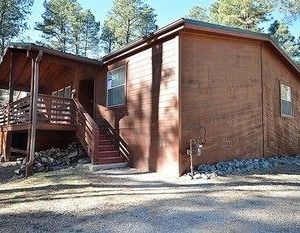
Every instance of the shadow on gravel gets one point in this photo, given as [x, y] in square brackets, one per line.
[187, 213]
[7, 171]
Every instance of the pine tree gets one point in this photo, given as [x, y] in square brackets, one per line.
[107, 38]
[13, 14]
[198, 13]
[247, 14]
[69, 28]
[127, 21]
[280, 32]
[90, 33]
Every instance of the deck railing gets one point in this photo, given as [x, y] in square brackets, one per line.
[50, 110]
[53, 110]
[87, 131]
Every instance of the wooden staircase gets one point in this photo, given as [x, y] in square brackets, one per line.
[102, 146]
[108, 151]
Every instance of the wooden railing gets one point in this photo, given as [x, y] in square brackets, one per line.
[50, 110]
[63, 111]
[87, 131]
[118, 140]
[55, 110]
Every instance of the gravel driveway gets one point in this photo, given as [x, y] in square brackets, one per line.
[75, 200]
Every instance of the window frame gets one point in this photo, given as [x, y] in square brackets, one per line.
[125, 87]
[292, 101]
[70, 92]
[61, 91]
[54, 93]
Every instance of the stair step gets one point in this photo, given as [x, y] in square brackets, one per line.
[99, 167]
[110, 160]
[105, 154]
[108, 148]
[105, 142]
[102, 137]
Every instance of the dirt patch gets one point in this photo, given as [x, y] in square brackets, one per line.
[75, 200]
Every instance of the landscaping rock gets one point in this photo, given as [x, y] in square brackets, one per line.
[245, 166]
[55, 159]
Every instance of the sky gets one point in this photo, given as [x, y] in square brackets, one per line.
[167, 11]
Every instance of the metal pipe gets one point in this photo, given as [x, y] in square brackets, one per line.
[33, 107]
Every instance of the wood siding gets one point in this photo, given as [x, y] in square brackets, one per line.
[221, 90]
[149, 121]
[281, 134]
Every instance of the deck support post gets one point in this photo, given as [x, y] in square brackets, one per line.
[33, 112]
[10, 100]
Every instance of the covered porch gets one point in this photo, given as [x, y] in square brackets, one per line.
[51, 80]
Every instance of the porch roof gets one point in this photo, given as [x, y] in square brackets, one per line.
[17, 57]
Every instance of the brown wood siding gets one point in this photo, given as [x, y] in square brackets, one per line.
[281, 133]
[149, 121]
[220, 89]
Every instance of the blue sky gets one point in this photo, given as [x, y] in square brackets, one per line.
[166, 10]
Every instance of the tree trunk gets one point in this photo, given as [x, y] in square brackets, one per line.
[2, 46]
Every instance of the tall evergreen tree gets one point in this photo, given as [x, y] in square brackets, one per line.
[198, 13]
[13, 14]
[90, 33]
[128, 20]
[67, 27]
[280, 32]
[290, 8]
[108, 39]
[56, 28]
[247, 14]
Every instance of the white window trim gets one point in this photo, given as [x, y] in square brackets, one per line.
[292, 101]
[123, 85]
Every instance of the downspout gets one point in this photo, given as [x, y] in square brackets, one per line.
[33, 107]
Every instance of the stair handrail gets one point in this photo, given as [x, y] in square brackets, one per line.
[87, 130]
[114, 134]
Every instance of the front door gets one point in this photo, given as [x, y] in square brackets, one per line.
[86, 95]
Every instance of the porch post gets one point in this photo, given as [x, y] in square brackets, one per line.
[11, 78]
[8, 135]
[33, 111]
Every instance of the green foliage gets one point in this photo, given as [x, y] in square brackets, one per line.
[198, 13]
[13, 14]
[127, 21]
[280, 32]
[108, 38]
[67, 27]
[246, 14]
[291, 8]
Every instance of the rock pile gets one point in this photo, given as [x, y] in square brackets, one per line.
[55, 159]
[245, 166]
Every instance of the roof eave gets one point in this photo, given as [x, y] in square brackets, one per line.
[34, 47]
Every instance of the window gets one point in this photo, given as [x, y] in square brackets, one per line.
[68, 91]
[286, 100]
[61, 92]
[64, 92]
[116, 87]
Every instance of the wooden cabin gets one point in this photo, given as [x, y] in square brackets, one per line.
[144, 103]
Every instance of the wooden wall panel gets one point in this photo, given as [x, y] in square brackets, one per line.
[281, 133]
[220, 88]
[149, 121]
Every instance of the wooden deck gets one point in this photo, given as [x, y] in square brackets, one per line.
[53, 113]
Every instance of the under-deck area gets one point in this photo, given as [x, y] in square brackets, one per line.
[55, 124]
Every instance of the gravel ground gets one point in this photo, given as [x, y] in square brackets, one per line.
[75, 200]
